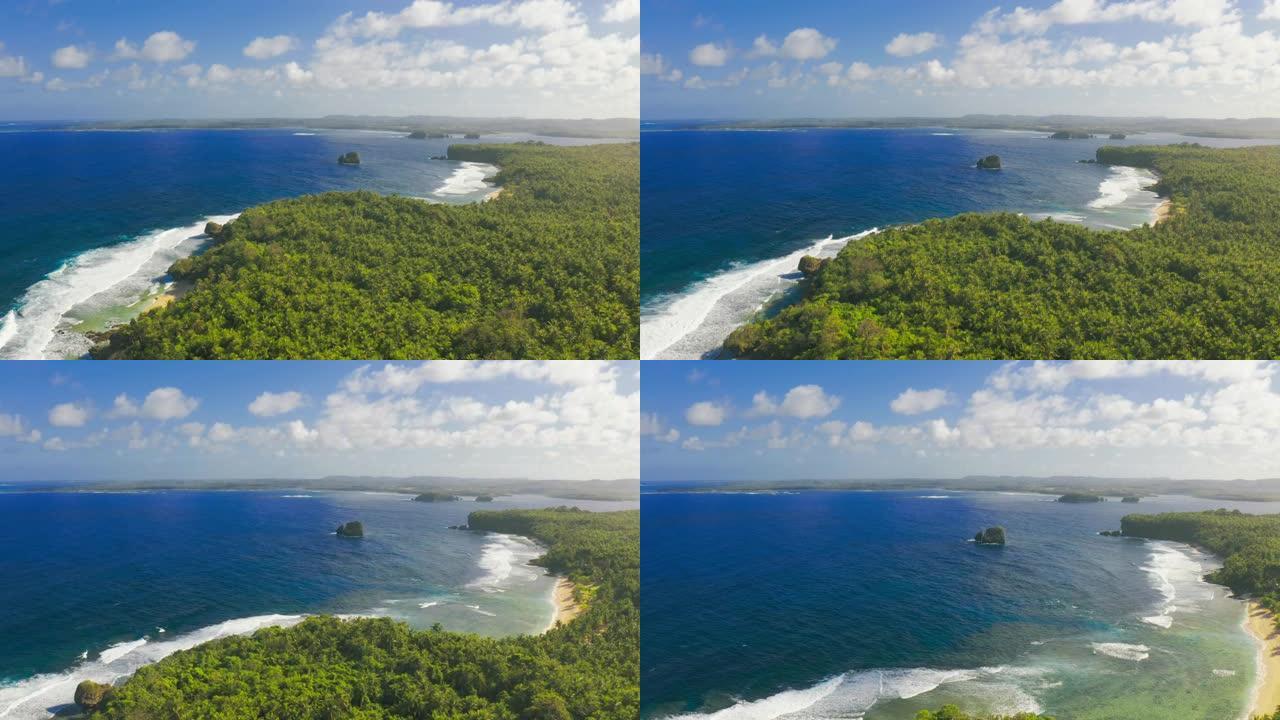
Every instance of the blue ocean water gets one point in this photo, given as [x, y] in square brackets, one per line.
[726, 215]
[94, 585]
[90, 221]
[877, 604]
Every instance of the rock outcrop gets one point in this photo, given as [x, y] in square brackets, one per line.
[213, 229]
[810, 264]
[92, 695]
[351, 158]
[1111, 533]
[990, 162]
[353, 529]
[990, 536]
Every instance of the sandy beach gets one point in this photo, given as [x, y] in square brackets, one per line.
[567, 607]
[1163, 211]
[1266, 691]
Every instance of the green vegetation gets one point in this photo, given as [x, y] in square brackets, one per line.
[550, 269]
[990, 536]
[1081, 498]
[990, 162]
[435, 497]
[353, 529]
[369, 669]
[351, 158]
[951, 712]
[1249, 545]
[1070, 135]
[1202, 284]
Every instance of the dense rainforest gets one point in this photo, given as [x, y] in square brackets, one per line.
[327, 668]
[1203, 284]
[548, 269]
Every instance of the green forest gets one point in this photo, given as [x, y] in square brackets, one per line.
[548, 269]
[1203, 284]
[951, 712]
[327, 668]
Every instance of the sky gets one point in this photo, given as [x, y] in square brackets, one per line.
[139, 59]
[770, 421]
[560, 420]
[748, 59]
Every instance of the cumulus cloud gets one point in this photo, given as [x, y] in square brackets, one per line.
[68, 415]
[621, 11]
[906, 45]
[1270, 10]
[914, 402]
[708, 55]
[705, 414]
[162, 47]
[70, 58]
[265, 48]
[12, 66]
[802, 401]
[806, 44]
[270, 404]
[166, 403]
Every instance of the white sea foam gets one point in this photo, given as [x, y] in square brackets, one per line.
[468, 178]
[302, 134]
[853, 694]
[1123, 651]
[116, 275]
[476, 608]
[39, 696]
[1169, 564]
[505, 562]
[297, 496]
[1123, 183]
[426, 605]
[1224, 673]
[934, 497]
[697, 321]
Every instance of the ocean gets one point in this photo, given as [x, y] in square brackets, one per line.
[726, 215]
[90, 221]
[95, 585]
[878, 604]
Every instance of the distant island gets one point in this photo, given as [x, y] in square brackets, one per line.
[1266, 490]
[438, 125]
[990, 536]
[550, 269]
[435, 497]
[1247, 128]
[990, 162]
[1071, 135]
[1081, 498]
[352, 529]
[351, 158]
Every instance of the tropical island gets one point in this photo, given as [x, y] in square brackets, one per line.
[548, 270]
[1001, 285]
[435, 497]
[327, 666]
[1080, 498]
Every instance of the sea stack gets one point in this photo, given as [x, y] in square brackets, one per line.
[990, 536]
[213, 229]
[351, 529]
[91, 695]
[990, 162]
[810, 264]
[351, 158]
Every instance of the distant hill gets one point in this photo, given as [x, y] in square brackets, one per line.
[433, 124]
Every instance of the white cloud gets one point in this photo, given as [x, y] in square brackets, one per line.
[166, 403]
[264, 48]
[270, 404]
[705, 414]
[762, 46]
[806, 44]
[656, 65]
[1270, 10]
[69, 415]
[905, 45]
[161, 47]
[621, 11]
[808, 401]
[70, 58]
[709, 55]
[12, 66]
[914, 402]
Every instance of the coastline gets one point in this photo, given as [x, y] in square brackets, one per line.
[564, 597]
[1261, 625]
[1163, 211]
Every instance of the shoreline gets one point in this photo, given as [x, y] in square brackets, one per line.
[563, 597]
[1260, 623]
[1163, 211]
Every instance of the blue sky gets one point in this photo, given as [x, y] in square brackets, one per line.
[714, 421]
[87, 59]
[811, 58]
[171, 420]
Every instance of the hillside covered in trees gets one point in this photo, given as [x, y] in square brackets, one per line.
[1249, 545]
[327, 667]
[1203, 284]
[548, 269]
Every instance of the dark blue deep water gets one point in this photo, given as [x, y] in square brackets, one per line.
[723, 211]
[87, 580]
[107, 212]
[836, 604]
